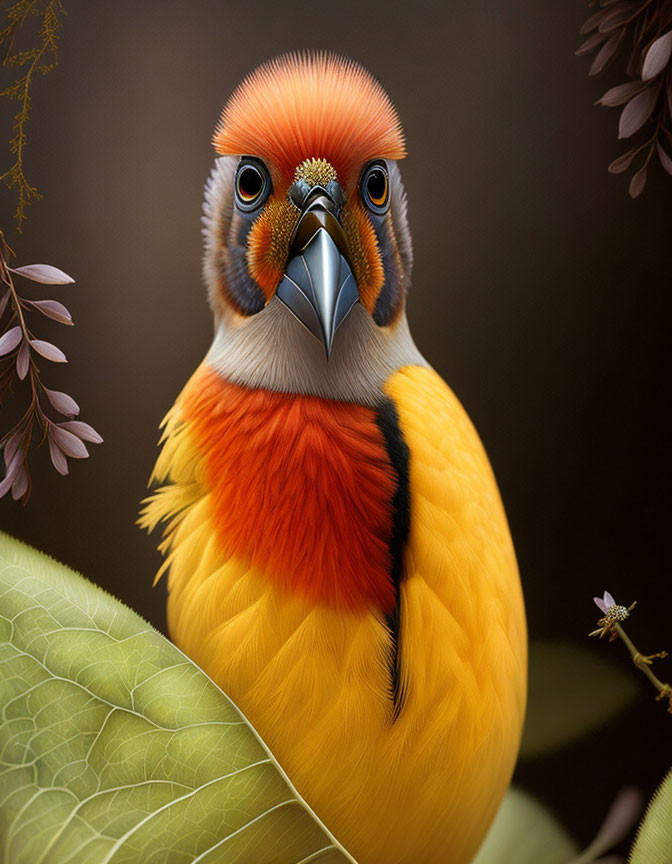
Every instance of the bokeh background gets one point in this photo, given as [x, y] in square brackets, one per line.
[541, 294]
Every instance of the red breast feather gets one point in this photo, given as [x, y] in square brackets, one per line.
[301, 486]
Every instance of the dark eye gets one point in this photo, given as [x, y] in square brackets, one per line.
[253, 185]
[376, 187]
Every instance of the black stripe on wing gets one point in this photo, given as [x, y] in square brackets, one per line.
[398, 453]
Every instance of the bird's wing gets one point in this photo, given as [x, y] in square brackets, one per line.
[462, 651]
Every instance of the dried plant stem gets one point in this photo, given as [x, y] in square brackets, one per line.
[35, 407]
[6, 277]
[52, 410]
[643, 662]
[611, 625]
[41, 58]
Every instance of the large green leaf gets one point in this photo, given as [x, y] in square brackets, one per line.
[524, 832]
[654, 838]
[115, 747]
[572, 692]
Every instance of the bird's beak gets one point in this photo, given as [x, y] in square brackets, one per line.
[318, 287]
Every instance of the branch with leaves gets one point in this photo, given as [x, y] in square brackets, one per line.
[646, 118]
[611, 625]
[40, 59]
[51, 412]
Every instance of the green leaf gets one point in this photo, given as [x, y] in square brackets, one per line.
[572, 692]
[653, 844]
[115, 747]
[525, 832]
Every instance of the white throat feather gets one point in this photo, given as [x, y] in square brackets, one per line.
[272, 350]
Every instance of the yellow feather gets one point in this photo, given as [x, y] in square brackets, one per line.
[315, 681]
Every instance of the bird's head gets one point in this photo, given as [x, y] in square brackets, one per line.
[305, 210]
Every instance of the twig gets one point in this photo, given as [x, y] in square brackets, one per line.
[52, 411]
[643, 662]
[41, 58]
[611, 625]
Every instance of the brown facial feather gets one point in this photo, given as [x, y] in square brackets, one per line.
[268, 243]
[248, 257]
[270, 236]
[364, 254]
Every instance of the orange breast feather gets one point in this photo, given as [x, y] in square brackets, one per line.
[301, 486]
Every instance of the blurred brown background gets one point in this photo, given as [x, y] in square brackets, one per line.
[541, 294]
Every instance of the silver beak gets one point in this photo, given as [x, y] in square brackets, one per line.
[318, 287]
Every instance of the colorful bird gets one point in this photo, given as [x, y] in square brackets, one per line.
[339, 558]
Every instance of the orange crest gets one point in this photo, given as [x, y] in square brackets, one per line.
[310, 105]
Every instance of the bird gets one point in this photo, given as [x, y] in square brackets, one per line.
[339, 559]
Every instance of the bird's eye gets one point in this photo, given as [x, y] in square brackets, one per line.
[253, 185]
[376, 187]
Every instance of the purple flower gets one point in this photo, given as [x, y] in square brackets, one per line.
[605, 602]
[610, 609]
